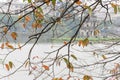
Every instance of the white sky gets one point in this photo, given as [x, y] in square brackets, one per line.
[10, 0]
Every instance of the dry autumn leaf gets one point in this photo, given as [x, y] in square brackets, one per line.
[2, 46]
[19, 46]
[47, 2]
[114, 7]
[5, 29]
[70, 67]
[96, 32]
[69, 64]
[60, 79]
[9, 46]
[84, 42]
[14, 35]
[39, 15]
[10, 64]
[34, 67]
[57, 79]
[36, 25]
[7, 67]
[65, 43]
[86, 77]
[26, 63]
[27, 18]
[45, 67]
[104, 57]
[24, 25]
[78, 2]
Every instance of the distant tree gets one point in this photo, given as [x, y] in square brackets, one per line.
[34, 20]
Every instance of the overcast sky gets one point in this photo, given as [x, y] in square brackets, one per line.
[10, 0]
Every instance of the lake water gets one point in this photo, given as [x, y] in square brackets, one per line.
[85, 56]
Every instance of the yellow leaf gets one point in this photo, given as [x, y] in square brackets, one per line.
[14, 35]
[2, 46]
[96, 32]
[86, 77]
[19, 16]
[73, 56]
[54, 2]
[7, 67]
[86, 42]
[69, 65]
[45, 67]
[10, 64]
[89, 9]
[55, 79]
[26, 64]
[104, 57]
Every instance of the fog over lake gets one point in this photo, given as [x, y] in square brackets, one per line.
[84, 54]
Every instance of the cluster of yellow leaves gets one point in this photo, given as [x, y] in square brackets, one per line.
[84, 42]
[96, 32]
[9, 65]
[27, 19]
[38, 14]
[115, 7]
[7, 44]
[36, 24]
[57, 79]
[88, 8]
[86, 77]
